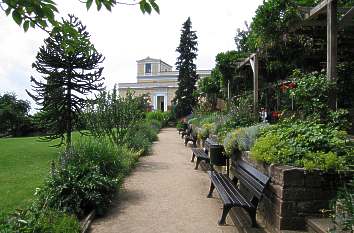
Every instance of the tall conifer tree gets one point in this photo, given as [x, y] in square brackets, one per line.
[185, 99]
[68, 76]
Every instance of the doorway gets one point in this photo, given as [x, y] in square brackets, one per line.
[160, 103]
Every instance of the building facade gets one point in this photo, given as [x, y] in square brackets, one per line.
[156, 79]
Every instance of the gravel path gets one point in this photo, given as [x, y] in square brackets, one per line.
[165, 194]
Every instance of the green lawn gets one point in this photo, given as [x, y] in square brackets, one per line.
[24, 163]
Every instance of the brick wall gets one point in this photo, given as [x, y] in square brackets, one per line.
[294, 194]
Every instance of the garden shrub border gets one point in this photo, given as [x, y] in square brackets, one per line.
[294, 193]
[11, 221]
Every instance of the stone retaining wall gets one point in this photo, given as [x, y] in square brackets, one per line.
[294, 194]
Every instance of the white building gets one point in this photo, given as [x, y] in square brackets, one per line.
[157, 79]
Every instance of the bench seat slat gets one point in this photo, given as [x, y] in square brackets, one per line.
[234, 193]
[219, 188]
[253, 171]
[248, 185]
[250, 180]
[227, 191]
[200, 153]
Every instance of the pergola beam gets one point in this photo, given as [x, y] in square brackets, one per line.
[246, 61]
[253, 61]
[347, 18]
[318, 9]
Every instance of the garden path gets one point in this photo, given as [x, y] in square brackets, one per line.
[165, 194]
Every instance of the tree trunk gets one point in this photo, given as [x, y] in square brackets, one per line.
[69, 120]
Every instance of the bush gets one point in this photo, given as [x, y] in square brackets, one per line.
[85, 178]
[230, 144]
[247, 136]
[306, 144]
[163, 117]
[343, 209]
[242, 139]
[155, 124]
[39, 221]
[311, 93]
[141, 136]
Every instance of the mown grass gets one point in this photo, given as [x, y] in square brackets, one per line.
[24, 164]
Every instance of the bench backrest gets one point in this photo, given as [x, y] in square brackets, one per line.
[250, 179]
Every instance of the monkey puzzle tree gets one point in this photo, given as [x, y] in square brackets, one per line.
[185, 99]
[68, 76]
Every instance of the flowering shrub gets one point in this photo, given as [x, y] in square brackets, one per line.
[306, 144]
[241, 139]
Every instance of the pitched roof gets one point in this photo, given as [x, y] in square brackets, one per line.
[153, 60]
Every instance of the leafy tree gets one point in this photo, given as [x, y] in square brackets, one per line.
[13, 114]
[209, 87]
[68, 78]
[226, 63]
[41, 13]
[187, 76]
[112, 115]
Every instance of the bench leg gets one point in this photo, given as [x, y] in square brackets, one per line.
[197, 163]
[193, 156]
[185, 141]
[225, 211]
[252, 214]
[212, 187]
[194, 143]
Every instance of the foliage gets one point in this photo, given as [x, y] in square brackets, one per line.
[181, 125]
[112, 115]
[339, 119]
[343, 209]
[86, 177]
[68, 78]
[205, 130]
[241, 111]
[247, 136]
[187, 76]
[39, 221]
[209, 88]
[275, 33]
[141, 135]
[311, 97]
[42, 13]
[230, 143]
[311, 92]
[163, 117]
[242, 139]
[306, 144]
[226, 63]
[13, 115]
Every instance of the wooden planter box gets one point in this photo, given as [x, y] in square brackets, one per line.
[294, 194]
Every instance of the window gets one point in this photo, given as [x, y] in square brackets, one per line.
[148, 68]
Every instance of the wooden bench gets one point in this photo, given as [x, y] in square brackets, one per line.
[248, 193]
[186, 132]
[201, 154]
[183, 129]
[191, 137]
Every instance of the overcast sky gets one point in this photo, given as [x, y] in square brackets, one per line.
[125, 35]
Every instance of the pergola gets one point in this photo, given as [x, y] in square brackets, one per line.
[322, 15]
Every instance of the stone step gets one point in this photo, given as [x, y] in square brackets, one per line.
[319, 225]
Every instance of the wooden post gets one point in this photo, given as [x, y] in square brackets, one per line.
[332, 47]
[254, 65]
